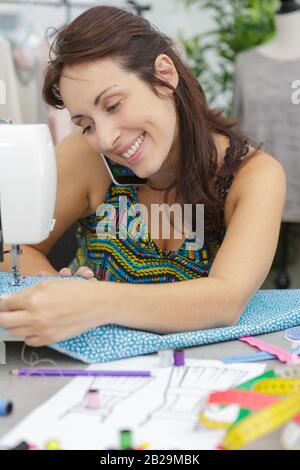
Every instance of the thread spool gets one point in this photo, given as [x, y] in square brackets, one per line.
[53, 445]
[6, 407]
[93, 399]
[179, 359]
[293, 335]
[165, 358]
[126, 439]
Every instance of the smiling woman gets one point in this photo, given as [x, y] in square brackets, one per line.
[139, 103]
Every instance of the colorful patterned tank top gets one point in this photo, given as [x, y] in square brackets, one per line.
[132, 255]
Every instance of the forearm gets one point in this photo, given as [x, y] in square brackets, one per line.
[187, 305]
[31, 262]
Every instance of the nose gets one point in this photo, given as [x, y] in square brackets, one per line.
[107, 135]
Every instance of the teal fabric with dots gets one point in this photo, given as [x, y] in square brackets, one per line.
[268, 311]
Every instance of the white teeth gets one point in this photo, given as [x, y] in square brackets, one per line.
[134, 148]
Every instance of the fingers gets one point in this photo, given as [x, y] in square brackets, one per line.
[18, 318]
[85, 272]
[2, 303]
[43, 274]
[65, 272]
[19, 300]
[20, 332]
[34, 342]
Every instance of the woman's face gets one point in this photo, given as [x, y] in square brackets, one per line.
[121, 116]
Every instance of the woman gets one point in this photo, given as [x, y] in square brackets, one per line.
[125, 86]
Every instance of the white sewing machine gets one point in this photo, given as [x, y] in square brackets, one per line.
[27, 189]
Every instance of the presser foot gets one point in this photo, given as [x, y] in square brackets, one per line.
[16, 279]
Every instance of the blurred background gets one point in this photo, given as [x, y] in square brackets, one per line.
[245, 54]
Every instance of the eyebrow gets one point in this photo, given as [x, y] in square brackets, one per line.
[96, 101]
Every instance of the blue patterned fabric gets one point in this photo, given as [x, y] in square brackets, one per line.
[268, 311]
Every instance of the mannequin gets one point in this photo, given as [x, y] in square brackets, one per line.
[262, 98]
[286, 44]
[287, 6]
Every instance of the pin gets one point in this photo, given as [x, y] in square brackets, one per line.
[93, 399]
[165, 357]
[53, 445]
[126, 439]
[179, 357]
[293, 335]
[5, 407]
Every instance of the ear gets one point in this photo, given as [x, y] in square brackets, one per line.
[165, 70]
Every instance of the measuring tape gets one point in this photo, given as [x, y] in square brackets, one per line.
[262, 422]
[215, 424]
[280, 386]
[247, 401]
[287, 371]
[259, 394]
[211, 417]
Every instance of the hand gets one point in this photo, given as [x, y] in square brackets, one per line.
[55, 310]
[83, 271]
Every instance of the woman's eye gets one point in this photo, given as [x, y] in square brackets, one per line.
[87, 129]
[114, 106]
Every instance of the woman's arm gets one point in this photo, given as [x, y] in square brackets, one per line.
[43, 316]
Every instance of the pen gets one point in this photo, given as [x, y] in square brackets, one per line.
[80, 373]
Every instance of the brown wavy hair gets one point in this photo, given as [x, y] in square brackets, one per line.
[105, 31]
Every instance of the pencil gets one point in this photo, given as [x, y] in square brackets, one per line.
[80, 373]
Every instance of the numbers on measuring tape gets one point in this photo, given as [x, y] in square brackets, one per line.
[281, 386]
[288, 371]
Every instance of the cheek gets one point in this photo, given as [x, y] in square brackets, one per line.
[93, 143]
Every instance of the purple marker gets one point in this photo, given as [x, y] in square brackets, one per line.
[80, 373]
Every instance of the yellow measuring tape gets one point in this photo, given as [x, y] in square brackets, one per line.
[249, 426]
[262, 422]
[213, 424]
[280, 386]
[219, 417]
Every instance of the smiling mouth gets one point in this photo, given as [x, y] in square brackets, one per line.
[134, 149]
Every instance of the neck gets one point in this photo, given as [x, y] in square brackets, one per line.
[167, 173]
[163, 178]
[288, 30]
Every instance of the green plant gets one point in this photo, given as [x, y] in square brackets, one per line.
[240, 24]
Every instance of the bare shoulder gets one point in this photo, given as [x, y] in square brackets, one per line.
[261, 172]
[84, 167]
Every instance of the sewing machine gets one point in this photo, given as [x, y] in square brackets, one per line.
[27, 189]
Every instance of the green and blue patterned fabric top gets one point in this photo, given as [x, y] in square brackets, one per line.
[132, 255]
